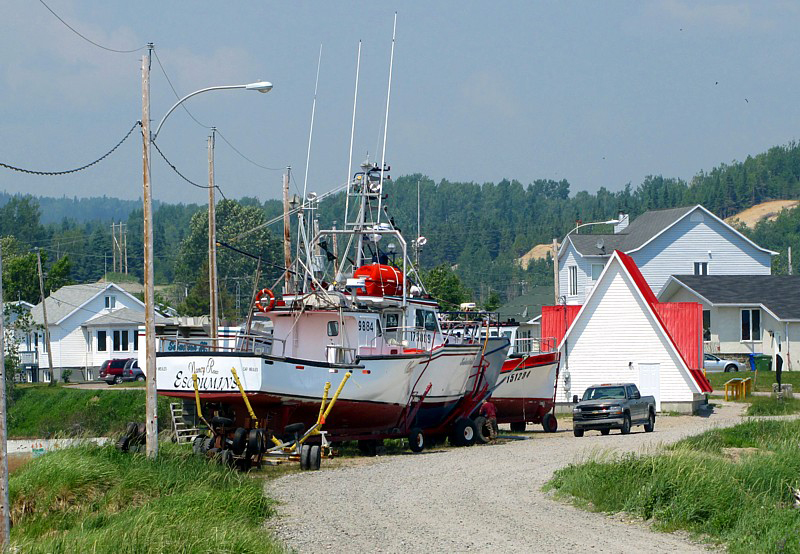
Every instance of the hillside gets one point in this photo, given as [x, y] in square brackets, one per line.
[765, 211]
[538, 252]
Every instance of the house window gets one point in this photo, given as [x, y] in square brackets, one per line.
[573, 280]
[111, 302]
[701, 268]
[597, 269]
[751, 325]
[136, 340]
[706, 325]
[44, 343]
[101, 341]
[120, 341]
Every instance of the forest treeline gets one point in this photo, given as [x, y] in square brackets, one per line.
[478, 229]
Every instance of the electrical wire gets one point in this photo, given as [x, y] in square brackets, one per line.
[71, 28]
[181, 175]
[169, 81]
[245, 157]
[68, 171]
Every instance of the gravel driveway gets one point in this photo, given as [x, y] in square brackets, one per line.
[483, 498]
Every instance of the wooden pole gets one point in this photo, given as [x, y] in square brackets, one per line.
[44, 315]
[287, 239]
[114, 244]
[212, 244]
[151, 412]
[555, 270]
[5, 526]
[125, 246]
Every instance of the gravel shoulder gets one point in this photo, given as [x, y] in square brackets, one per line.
[483, 498]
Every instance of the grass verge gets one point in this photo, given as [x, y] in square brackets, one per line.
[732, 486]
[763, 381]
[95, 499]
[768, 406]
[41, 412]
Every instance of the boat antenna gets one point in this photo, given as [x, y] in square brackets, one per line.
[352, 134]
[416, 242]
[311, 131]
[386, 119]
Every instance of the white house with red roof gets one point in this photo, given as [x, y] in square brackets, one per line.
[622, 334]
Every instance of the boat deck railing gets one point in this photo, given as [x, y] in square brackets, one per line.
[531, 345]
[256, 344]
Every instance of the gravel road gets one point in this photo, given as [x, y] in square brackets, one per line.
[483, 498]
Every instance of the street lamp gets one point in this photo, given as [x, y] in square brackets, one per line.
[149, 295]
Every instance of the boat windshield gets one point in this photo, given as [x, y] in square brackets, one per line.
[604, 393]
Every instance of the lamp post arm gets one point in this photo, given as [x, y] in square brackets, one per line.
[179, 102]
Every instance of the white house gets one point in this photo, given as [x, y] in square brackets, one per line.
[88, 324]
[745, 314]
[621, 334]
[678, 241]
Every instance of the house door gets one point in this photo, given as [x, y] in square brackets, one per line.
[649, 382]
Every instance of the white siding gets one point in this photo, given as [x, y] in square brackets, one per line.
[584, 265]
[614, 330]
[689, 241]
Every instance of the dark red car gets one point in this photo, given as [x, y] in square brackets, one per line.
[111, 370]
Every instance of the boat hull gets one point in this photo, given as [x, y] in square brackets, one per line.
[526, 388]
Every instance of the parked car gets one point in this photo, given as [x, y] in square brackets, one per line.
[713, 363]
[111, 370]
[131, 371]
[615, 406]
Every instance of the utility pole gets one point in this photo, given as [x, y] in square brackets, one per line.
[789, 252]
[212, 243]
[44, 315]
[287, 238]
[5, 526]
[149, 293]
[555, 270]
[125, 247]
[114, 245]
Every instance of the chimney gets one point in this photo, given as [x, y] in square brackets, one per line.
[622, 225]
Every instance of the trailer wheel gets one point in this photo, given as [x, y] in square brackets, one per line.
[605, 431]
[464, 432]
[198, 443]
[518, 426]
[416, 440]
[305, 452]
[368, 447]
[549, 423]
[577, 432]
[226, 458]
[123, 444]
[314, 457]
[481, 432]
[209, 444]
[254, 442]
[239, 441]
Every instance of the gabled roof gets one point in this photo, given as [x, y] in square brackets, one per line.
[641, 231]
[123, 316]
[646, 294]
[528, 306]
[71, 298]
[777, 294]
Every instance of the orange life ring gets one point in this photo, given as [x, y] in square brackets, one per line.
[261, 295]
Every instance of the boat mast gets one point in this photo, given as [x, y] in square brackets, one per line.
[386, 120]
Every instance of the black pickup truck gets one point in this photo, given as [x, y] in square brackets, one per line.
[615, 406]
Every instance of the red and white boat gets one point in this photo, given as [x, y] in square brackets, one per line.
[527, 382]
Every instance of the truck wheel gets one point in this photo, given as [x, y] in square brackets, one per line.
[577, 432]
[464, 432]
[305, 454]
[605, 431]
[314, 457]
[626, 425]
[549, 423]
[481, 432]
[239, 441]
[518, 427]
[651, 423]
[416, 440]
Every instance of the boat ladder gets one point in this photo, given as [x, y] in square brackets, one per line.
[184, 432]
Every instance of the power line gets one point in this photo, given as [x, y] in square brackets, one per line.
[71, 28]
[68, 171]
[169, 81]
[181, 175]
[245, 157]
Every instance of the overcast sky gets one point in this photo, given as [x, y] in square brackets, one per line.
[600, 93]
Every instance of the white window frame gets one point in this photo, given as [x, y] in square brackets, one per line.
[124, 345]
[700, 268]
[750, 312]
[573, 280]
[591, 272]
[97, 336]
[111, 302]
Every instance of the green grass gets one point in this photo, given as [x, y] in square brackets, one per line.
[769, 406]
[741, 499]
[95, 499]
[40, 412]
[763, 381]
